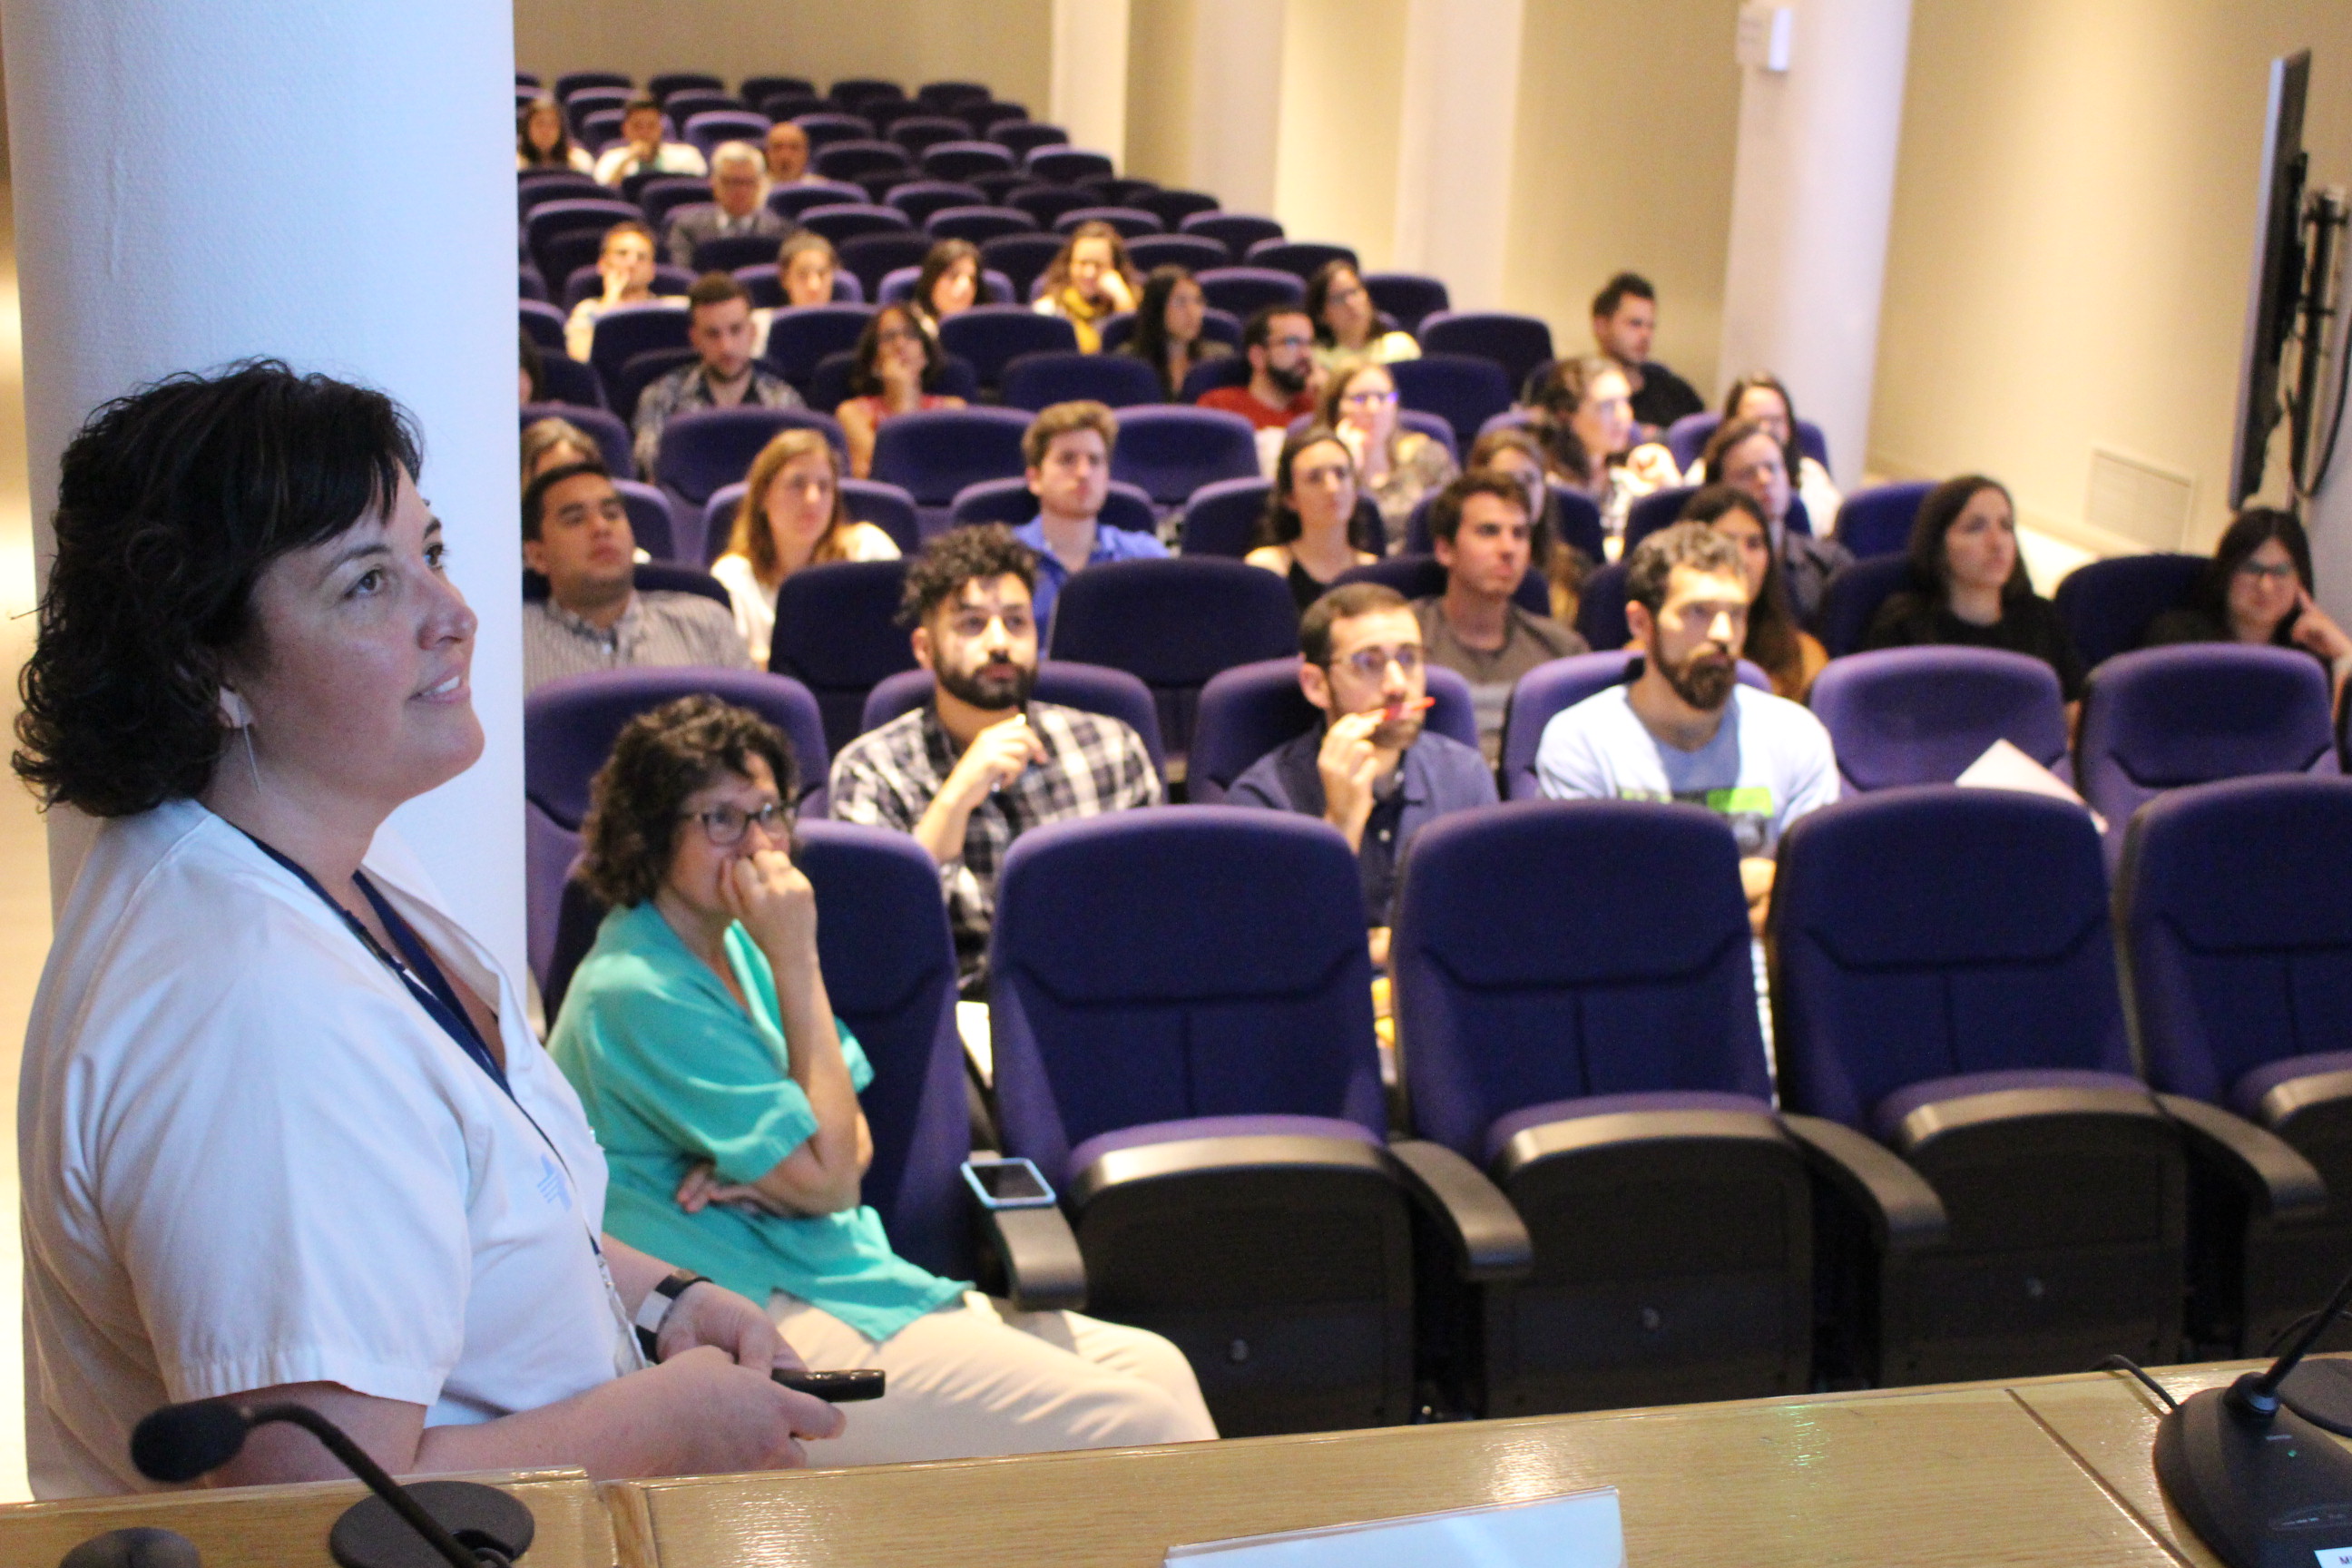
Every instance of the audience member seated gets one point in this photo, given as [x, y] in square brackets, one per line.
[948, 284]
[1624, 320]
[892, 370]
[1480, 531]
[1067, 451]
[1791, 655]
[1968, 584]
[805, 265]
[1747, 455]
[1685, 728]
[1283, 377]
[2258, 590]
[531, 369]
[575, 533]
[1519, 453]
[723, 374]
[1090, 279]
[1394, 466]
[1304, 534]
[1370, 769]
[555, 444]
[625, 264]
[981, 762]
[641, 149]
[1168, 336]
[1760, 398]
[263, 1160]
[791, 515]
[724, 1091]
[543, 141]
[739, 186]
[1347, 322]
[1589, 430]
[788, 155]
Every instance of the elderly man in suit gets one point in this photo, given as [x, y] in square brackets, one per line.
[739, 181]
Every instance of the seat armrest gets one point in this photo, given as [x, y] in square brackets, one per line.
[1044, 1269]
[1903, 1212]
[2280, 1182]
[1491, 1241]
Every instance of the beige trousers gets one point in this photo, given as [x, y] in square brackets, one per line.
[979, 1379]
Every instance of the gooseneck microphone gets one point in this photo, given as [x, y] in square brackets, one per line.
[485, 1526]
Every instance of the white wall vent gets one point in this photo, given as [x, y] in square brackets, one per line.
[2139, 501]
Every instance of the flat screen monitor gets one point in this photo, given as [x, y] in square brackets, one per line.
[2278, 273]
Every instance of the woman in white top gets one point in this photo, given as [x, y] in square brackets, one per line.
[1760, 397]
[286, 1133]
[1347, 322]
[791, 516]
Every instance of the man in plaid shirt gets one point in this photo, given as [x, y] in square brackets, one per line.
[981, 763]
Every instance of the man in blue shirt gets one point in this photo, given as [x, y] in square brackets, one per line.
[1369, 770]
[1068, 452]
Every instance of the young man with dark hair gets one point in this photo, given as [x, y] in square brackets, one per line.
[575, 533]
[1369, 770]
[1685, 728]
[723, 374]
[1067, 451]
[1624, 319]
[641, 147]
[981, 762]
[1478, 526]
[1279, 341]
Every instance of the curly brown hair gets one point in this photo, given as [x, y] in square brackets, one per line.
[660, 758]
[938, 572]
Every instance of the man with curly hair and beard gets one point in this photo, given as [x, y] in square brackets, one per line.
[981, 764]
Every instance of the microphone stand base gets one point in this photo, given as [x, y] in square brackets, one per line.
[2320, 1393]
[370, 1535]
[2259, 1494]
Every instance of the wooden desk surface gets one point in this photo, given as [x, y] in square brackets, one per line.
[286, 1526]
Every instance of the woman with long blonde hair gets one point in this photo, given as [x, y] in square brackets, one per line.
[793, 515]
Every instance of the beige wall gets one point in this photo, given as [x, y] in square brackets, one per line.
[2073, 237]
[1005, 43]
[1342, 81]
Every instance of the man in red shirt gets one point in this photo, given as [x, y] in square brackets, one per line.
[1279, 341]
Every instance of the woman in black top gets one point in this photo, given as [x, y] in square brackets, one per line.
[1968, 584]
[2258, 590]
[1308, 532]
[1168, 335]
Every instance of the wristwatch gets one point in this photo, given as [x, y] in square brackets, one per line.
[656, 1309]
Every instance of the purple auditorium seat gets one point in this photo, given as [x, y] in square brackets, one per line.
[918, 199]
[1609, 1075]
[2164, 717]
[1119, 191]
[1035, 380]
[1877, 521]
[584, 281]
[832, 126]
[837, 633]
[1412, 419]
[1001, 182]
[1600, 610]
[599, 128]
[544, 323]
[563, 379]
[799, 336]
[649, 520]
[1022, 257]
[1170, 452]
[858, 88]
[756, 88]
[1089, 687]
[1063, 165]
[706, 130]
[533, 186]
[1466, 390]
[2107, 605]
[790, 201]
[571, 82]
[918, 133]
[887, 507]
[980, 224]
[1421, 577]
[951, 92]
[1921, 715]
[992, 336]
[1853, 598]
[2237, 953]
[664, 197]
[828, 383]
[1245, 290]
[1132, 223]
[1686, 438]
[628, 329]
[1561, 684]
[780, 107]
[1235, 231]
[640, 370]
[1193, 252]
[1010, 503]
[1182, 1019]
[612, 436]
[843, 221]
[731, 252]
[870, 257]
[1023, 137]
[995, 288]
[961, 160]
[1172, 208]
[1251, 708]
[670, 83]
[1172, 625]
[1221, 518]
[1407, 296]
[571, 215]
[1653, 511]
[933, 455]
[1299, 257]
[584, 98]
[704, 449]
[1045, 203]
[858, 160]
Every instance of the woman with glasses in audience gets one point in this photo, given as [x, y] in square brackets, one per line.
[948, 284]
[1305, 533]
[1394, 466]
[1968, 585]
[1090, 279]
[791, 515]
[1775, 643]
[724, 1094]
[1347, 322]
[1168, 329]
[2257, 589]
[1759, 398]
[892, 370]
[543, 141]
[1589, 432]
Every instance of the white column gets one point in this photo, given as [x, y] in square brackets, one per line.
[198, 183]
[1812, 194]
[1089, 96]
[1237, 101]
[1456, 126]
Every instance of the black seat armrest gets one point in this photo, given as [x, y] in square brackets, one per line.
[1044, 1271]
[1490, 1239]
[2280, 1182]
[1903, 1211]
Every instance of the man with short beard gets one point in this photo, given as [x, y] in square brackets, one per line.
[1279, 341]
[981, 763]
[1683, 729]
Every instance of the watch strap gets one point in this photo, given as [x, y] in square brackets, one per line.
[655, 1310]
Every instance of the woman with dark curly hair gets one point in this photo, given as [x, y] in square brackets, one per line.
[288, 1134]
[892, 370]
[724, 1091]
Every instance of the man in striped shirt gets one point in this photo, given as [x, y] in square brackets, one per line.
[981, 762]
[575, 534]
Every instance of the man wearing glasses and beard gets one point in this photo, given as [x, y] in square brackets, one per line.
[981, 763]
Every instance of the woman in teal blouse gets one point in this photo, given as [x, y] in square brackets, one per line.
[700, 1036]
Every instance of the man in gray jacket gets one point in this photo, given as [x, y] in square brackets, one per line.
[739, 181]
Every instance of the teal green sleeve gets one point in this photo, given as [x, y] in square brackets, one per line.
[763, 979]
